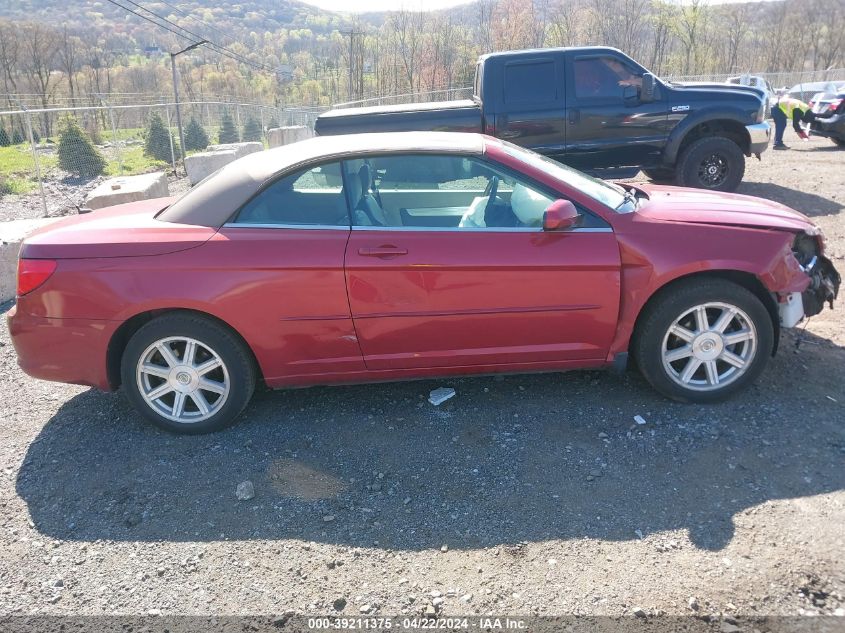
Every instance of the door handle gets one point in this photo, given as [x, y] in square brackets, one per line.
[574, 116]
[382, 251]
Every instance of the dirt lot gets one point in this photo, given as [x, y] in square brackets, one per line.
[528, 495]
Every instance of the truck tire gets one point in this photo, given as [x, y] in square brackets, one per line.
[714, 162]
[703, 340]
[660, 174]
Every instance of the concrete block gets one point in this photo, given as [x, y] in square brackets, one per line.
[11, 235]
[204, 164]
[240, 149]
[128, 189]
[279, 136]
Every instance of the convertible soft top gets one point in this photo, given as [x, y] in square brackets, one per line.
[214, 200]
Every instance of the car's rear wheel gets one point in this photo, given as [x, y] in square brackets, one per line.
[714, 163]
[703, 340]
[187, 374]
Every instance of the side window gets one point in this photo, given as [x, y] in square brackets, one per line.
[438, 192]
[310, 197]
[603, 78]
[530, 82]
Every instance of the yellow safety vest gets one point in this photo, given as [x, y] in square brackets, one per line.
[789, 105]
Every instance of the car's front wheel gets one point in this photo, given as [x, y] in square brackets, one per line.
[703, 340]
[187, 374]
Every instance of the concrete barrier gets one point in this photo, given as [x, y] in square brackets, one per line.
[206, 163]
[11, 236]
[128, 189]
[279, 136]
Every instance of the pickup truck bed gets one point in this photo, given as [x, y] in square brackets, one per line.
[442, 116]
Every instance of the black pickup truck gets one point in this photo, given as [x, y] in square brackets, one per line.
[596, 109]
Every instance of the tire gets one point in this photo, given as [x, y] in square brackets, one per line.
[840, 142]
[655, 346]
[714, 163]
[660, 174]
[213, 390]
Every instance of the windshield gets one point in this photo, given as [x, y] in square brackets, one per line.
[608, 194]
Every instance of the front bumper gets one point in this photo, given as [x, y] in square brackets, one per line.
[759, 134]
[833, 126]
[62, 350]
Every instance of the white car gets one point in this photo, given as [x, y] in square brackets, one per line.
[756, 81]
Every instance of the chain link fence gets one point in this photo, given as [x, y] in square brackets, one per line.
[777, 80]
[50, 158]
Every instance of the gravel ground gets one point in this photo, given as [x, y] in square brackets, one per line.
[523, 495]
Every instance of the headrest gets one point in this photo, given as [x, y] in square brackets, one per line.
[365, 177]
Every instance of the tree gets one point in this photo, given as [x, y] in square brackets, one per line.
[157, 140]
[228, 133]
[77, 153]
[195, 136]
[5, 141]
[17, 136]
[252, 130]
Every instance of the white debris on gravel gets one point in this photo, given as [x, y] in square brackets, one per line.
[245, 491]
[639, 419]
[441, 395]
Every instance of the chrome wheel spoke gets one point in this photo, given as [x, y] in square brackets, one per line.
[208, 366]
[682, 333]
[724, 320]
[155, 370]
[739, 336]
[190, 353]
[201, 402]
[701, 319]
[212, 385]
[712, 372]
[733, 359]
[178, 405]
[167, 354]
[162, 390]
[692, 366]
[678, 353]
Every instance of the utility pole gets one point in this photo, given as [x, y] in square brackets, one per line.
[351, 33]
[176, 95]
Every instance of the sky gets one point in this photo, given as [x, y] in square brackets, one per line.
[383, 5]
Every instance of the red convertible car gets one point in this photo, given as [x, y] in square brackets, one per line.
[391, 256]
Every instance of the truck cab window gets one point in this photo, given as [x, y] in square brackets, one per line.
[603, 78]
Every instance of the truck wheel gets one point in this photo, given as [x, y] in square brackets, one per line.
[660, 174]
[187, 374]
[703, 340]
[714, 162]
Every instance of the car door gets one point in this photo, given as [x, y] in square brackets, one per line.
[466, 283]
[606, 123]
[282, 254]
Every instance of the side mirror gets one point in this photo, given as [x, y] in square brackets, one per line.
[647, 91]
[560, 215]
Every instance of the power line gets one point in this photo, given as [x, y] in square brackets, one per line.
[222, 50]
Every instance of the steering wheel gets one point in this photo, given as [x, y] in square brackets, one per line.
[490, 192]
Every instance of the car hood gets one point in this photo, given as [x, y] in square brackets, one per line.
[125, 230]
[696, 206]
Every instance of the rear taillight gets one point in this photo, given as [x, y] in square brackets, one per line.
[32, 273]
[834, 105]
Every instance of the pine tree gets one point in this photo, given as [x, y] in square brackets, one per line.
[17, 136]
[157, 140]
[5, 141]
[77, 153]
[228, 133]
[195, 136]
[252, 130]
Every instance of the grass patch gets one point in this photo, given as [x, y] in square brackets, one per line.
[134, 162]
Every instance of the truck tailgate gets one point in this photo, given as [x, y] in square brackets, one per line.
[443, 116]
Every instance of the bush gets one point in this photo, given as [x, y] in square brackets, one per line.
[157, 140]
[195, 136]
[77, 153]
[5, 141]
[252, 130]
[5, 185]
[17, 136]
[228, 133]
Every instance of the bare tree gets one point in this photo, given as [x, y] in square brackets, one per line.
[39, 49]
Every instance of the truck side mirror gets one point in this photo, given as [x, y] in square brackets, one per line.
[647, 91]
[560, 215]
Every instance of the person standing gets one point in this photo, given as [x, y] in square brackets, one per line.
[789, 108]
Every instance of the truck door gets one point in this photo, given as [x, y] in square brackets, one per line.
[530, 107]
[607, 125]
